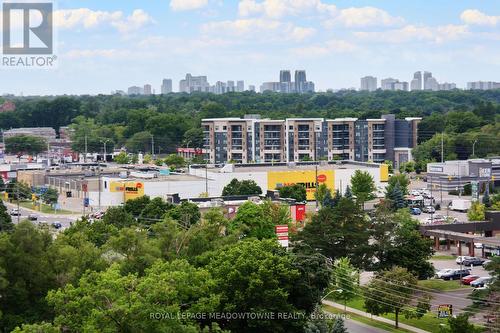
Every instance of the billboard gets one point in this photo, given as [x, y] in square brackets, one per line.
[131, 189]
[277, 179]
[282, 234]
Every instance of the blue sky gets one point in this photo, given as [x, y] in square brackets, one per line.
[109, 45]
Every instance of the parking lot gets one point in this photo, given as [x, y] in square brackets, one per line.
[450, 263]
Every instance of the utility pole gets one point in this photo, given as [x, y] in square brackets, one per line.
[316, 183]
[442, 147]
[152, 146]
[104, 142]
[206, 178]
[17, 190]
[85, 156]
[474, 148]
[99, 180]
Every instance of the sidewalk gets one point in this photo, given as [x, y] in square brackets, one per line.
[377, 318]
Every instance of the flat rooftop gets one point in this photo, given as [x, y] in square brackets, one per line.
[264, 167]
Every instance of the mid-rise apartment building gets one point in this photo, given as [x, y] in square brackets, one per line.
[258, 140]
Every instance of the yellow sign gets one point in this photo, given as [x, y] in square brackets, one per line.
[277, 179]
[384, 172]
[131, 189]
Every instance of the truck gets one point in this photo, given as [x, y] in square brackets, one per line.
[461, 205]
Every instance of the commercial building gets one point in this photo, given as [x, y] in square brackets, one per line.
[285, 84]
[454, 175]
[166, 86]
[483, 85]
[252, 139]
[368, 83]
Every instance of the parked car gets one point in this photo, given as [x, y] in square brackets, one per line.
[481, 281]
[15, 212]
[32, 217]
[456, 274]
[474, 261]
[415, 211]
[469, 278]
[429, 209]
[57, 225]
[415, 192]
[460, 259]
[439, 274]
[435, 219]
[486, 262]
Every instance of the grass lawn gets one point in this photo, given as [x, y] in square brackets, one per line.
[428, 322]
[46, 209]
[441, 285]
[367, 321]
[443, 257]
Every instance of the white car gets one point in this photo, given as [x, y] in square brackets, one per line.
[429, 209]
[460, 259]
[415, 192]
[441, 272]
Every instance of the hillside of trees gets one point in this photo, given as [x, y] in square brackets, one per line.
[174, 119]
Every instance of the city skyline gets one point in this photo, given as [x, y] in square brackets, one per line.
[101, 45]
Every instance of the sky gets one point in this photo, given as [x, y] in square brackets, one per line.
[102, 46]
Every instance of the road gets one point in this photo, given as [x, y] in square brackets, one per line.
[358, 327]
[65, 220]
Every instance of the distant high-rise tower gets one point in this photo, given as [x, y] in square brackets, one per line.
[251, 87]
[240, 86]
[285, 76]
[166, 86]
[230, 86]
[147, 89]
[416, 83]
[368, 83]
[300, 81]
[427, 81]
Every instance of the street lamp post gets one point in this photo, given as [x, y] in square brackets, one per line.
[474, 148]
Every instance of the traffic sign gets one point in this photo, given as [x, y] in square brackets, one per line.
[445, 310]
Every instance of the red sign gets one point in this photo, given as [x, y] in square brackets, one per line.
[300, 212]
[321, 178]
[282, 234]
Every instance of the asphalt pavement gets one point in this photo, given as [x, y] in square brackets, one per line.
[65, 220]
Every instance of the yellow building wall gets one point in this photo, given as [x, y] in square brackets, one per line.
[132, 189]
[277, 179]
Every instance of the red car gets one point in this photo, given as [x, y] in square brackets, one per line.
[469, 278]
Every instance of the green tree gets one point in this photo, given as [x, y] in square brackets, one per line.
[252, 221]
[37, 328]
[137, 205]
[51, 196]
[295, 191]
[186, 213]
[193, 138]
[110, 302]
[154, 210]
[345, 280]
[341, 231]
[486, 200]
[400, 179]
[402, 286]
[5, 218]
[119, 217]
[139, 142]
[476, 212]
[244, 187]
[397, 241]
[122, 158]
[322, 193]
[395, 196]
[175, 161]
[460, 324]
[338, 326]
[363, 186]
[25, 144]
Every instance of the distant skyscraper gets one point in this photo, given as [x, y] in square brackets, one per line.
[285, 76]
[388, 84]
[300, 80]
[230, 86]
[447, 86]
[483, 85]
[166, 86]
[416, 83]
[134, 90]
[400, 86]
[220, 87]
[147, 89]
[240, 86]
[251, 87]
[368, 83]
[194, 83]
[427, 80]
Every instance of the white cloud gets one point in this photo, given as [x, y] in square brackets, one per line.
[280, 8]
[364, 17]
[180, 5]
[411, 33]
[87, 18]
[137, 20]
[329, 47]
[258, 27]
[476, 17]
[97, 53]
